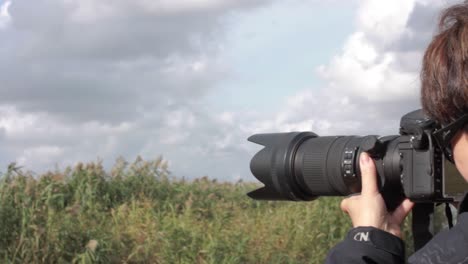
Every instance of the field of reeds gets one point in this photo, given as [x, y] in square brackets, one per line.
[139, 213]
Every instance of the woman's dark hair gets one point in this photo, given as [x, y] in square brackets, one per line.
[444, 75]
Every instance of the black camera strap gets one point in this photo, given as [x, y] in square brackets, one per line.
[448, 214]
[422, 224]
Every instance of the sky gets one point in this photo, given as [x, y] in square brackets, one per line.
[191, 80]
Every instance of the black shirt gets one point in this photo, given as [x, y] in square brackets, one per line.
[372, 245]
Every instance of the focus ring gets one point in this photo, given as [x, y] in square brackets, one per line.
[311, 160]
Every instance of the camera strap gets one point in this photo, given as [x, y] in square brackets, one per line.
[448, 214]
[422, 224]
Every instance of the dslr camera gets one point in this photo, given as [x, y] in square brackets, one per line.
[301, 166]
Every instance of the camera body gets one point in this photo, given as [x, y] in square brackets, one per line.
[422, 161]
[301, 166]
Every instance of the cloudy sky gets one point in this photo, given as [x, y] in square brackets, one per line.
[192, 79]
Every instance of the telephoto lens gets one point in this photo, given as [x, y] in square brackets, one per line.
[300, 166]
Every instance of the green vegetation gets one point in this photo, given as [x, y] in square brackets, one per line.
[138, 214]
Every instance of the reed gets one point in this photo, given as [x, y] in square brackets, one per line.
[139, 213]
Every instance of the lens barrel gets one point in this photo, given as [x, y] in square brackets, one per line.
[301, 166]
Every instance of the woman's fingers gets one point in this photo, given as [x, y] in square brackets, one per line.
[368, 175]
[348, 203]
[344, 205]
[403, 210]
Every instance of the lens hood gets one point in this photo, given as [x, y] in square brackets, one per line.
[274, 166]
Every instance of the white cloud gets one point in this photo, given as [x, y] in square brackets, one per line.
[5, 17]
[130, 55]
[369, 65]
[40, 155]
[110, 78]
[87, 79]
[373, 81]
[89, 11]
[226, 118]
[384, 21]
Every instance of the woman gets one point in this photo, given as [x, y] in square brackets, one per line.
[376, 236]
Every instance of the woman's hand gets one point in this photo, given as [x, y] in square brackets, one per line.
[368, 208]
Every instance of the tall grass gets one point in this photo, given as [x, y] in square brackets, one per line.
[137, 213]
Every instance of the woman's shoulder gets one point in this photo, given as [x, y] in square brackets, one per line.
[448, 246]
